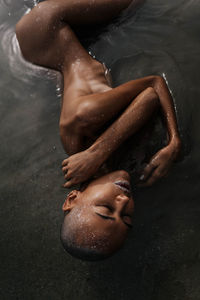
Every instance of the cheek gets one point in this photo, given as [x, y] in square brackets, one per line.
[100, 193]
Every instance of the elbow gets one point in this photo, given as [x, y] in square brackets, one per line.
[83, 116]
[63, 128]
[77, 122]
[157, 81]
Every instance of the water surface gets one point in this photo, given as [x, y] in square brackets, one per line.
[161, 258]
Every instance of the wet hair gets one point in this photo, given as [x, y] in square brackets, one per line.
[69, 236]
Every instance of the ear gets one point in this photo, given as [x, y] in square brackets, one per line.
[70, 201]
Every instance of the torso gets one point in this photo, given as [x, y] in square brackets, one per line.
[86, 78]
[83, 77]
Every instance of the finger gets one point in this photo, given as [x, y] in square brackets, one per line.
[157, 174]
[65, 169]
[68, 175]
[149, 182]
[69, 184]
[64, 162]
[147, 171]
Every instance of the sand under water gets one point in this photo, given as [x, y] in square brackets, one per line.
[161, 259]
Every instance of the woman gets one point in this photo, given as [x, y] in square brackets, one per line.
[97, 216]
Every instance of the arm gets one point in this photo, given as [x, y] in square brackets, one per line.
[91, 112]
[134, 117]
[96, 109]
[161, 162]
[120, 130]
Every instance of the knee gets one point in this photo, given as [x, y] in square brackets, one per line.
[20, 31]
[32, 29]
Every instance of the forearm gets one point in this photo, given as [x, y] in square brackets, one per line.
[167, 107]
[83, 165]
[137, 114]
[166, 101]
[131, 120]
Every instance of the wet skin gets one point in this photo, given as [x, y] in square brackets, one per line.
[89, 102]
[107, 205]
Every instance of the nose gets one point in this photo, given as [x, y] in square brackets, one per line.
[121, 201]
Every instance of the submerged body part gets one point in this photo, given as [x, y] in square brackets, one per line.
[104, 204]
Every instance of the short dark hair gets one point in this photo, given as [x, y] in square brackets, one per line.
[70, 244]
[81, 252]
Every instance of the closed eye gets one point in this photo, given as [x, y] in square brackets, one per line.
[111, 218]
[105, 217]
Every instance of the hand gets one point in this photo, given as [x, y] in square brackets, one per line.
[80, 167]
[159, 165]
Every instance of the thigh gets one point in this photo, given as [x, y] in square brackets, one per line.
[86, 12]
[43, 38]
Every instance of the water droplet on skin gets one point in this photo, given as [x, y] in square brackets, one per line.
[27, 11]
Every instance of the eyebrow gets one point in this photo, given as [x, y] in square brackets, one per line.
[111, 218]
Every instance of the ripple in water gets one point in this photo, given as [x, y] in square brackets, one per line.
[19, 67]
[13, 4]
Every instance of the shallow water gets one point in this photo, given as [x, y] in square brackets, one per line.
[161, 258]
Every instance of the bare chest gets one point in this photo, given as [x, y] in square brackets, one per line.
[85, 80]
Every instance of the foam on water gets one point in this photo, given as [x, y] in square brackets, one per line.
[144, 48]
[18, 66]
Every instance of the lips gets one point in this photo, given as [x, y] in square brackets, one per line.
[124, 186]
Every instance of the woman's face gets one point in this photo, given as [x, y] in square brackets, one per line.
[106, 206]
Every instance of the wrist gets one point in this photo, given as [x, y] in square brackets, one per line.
[175, 145]
[97, 153]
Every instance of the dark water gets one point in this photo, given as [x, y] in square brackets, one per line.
[161, 260]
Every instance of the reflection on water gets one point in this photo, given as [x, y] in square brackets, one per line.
[160, 38]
